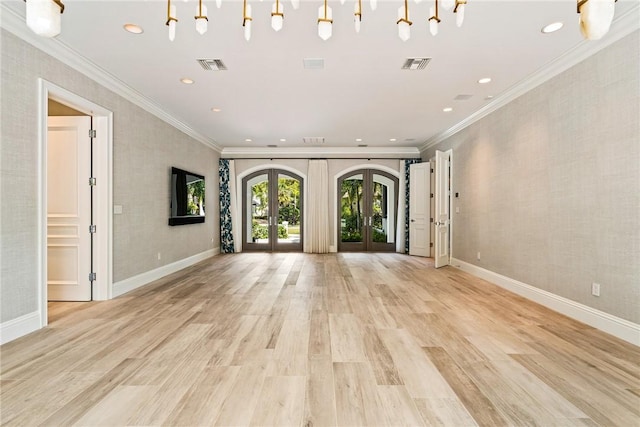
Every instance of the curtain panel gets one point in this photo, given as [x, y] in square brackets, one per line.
[226, 222]
[407, 163]
[316, 225]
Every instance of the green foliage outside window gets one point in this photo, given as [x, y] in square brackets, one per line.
[260, 231]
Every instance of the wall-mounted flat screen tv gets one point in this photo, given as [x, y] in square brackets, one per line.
[187, 197]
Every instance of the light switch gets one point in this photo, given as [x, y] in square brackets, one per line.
[457, 209]
[117, 209]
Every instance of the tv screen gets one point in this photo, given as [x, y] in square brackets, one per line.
[187, 197]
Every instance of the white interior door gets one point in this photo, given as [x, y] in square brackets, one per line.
[68, 209]
[441, 216]
[419, 198]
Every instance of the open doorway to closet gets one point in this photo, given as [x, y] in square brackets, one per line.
[75, 198]
[272, 211]
[69, 204]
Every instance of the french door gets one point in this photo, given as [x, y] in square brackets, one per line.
[367, 209]
[272, 211]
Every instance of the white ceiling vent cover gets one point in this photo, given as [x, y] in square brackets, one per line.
[313, 140]
[463, 97]
[313, 63]
[212, 64]
[415, 63]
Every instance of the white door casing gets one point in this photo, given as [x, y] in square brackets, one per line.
[419, 209]
[441, 216]
[68, 209]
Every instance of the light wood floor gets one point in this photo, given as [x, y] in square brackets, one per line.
[339, 339]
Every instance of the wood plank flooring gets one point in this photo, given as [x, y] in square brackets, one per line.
[317, 340]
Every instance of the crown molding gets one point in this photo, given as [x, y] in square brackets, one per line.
[13, 22]
[320, 152]
[621, 27]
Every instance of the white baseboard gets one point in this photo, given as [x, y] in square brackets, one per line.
[608, 323]
[23, 325]
[127, 285]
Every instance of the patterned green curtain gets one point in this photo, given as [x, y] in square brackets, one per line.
[407, 162]
[226, 231]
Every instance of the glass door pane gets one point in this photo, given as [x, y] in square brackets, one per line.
[352, 212]
[367, 203]
[289, 210]
[273, 211]
[383, 227]
[257, 210]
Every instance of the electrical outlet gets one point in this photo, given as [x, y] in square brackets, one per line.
[159, 256]
[595, 289]
[478, 256]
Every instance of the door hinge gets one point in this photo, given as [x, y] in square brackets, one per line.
[92, 181]
[431, 170]
[432, 195]
[430, 219]
[92, 229]
[431, 244]
[92, 277]
[92, 133]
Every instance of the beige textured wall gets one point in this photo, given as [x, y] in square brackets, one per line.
[144, 149]
[550, 184]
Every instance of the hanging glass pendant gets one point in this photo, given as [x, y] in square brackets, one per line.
[277, 16]
[201, 18]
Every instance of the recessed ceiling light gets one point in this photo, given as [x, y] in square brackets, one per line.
[484, 80]
[133, 28]
[489, 97]
[187, 81]
[392, 139]
[248, 140]
[283, 140]
[216, 110]
[555, 26]
[447, 109]
[358, 139]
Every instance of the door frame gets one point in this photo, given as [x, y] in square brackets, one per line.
[103, 192]
[240, 191]
[337, 176]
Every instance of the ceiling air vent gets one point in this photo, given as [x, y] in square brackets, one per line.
[463, 97]
[313, 140]
[212, 64]
[313, 63]
[415, 63]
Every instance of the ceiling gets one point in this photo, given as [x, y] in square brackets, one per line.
[360, 97]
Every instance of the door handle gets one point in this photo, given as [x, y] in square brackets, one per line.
[370, 221]
[413, 220]
[269, 221]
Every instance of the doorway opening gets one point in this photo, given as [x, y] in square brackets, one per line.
[272, 211]
[367, 211]
[75, 261]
